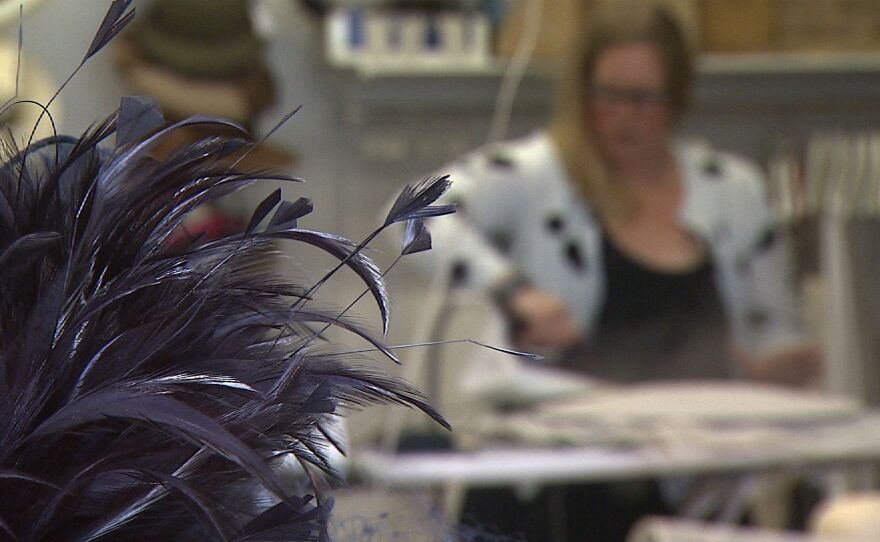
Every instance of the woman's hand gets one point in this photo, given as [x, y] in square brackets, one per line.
[541, 320]
[798, 366]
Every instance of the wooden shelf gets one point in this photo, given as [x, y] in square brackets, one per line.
[731, 82]
[707, 64]
[794, 62]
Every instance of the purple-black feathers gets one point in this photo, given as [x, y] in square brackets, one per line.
[148, 389]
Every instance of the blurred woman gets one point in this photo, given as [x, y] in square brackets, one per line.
[624, 252]
[630, 254]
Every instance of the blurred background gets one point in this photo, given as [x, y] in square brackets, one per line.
[392, 90]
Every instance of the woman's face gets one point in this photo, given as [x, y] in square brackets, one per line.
[629, 107]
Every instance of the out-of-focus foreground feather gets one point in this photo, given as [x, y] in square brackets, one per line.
[149, 389]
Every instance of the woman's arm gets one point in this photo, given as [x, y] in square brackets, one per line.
[797, 365]
[492, 199]
[776, 348]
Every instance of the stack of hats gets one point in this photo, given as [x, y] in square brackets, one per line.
[199, 56]
[203, 57]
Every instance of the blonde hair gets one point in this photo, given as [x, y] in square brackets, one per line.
[612, 23]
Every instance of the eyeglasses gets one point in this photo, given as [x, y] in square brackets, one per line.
[638, 97]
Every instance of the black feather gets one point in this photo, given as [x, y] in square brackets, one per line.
[29, 246]
[416, 238]
[263, 209]
[414, 201]
[289, 212]
[349, 254]
[145, 387]
[283, 522]
[138, 116]
[114, 21]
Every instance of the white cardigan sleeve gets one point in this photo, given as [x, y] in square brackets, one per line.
[770, 317]
[489, 200]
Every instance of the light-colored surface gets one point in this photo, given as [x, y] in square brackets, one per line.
[671, 414]
[718, 402]
[856, 516]
[673, 530]
[379, 515]
[655, 449]
[507, 380]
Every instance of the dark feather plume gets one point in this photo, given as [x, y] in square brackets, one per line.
[415, 201]
[289, 212]
[114, 21]
[416, 237]
[146, 388]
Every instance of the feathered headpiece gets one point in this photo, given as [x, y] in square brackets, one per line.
[148, 390]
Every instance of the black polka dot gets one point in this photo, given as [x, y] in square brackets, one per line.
[767, 240]
[757, 318]
[712, 168]
[555, 223]
[501, 240]
[500, 160]
[575, 256]
[459, 274]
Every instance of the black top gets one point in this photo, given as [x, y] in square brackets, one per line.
[656, 324]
